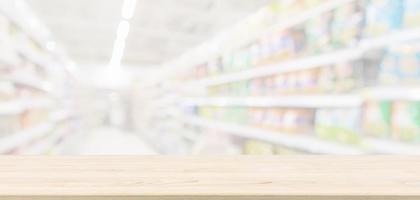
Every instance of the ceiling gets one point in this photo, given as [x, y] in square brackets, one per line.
[160, 29]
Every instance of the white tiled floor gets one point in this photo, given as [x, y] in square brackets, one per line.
[105, 141]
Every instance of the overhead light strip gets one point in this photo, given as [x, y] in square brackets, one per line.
[123, 29]
[128, 8]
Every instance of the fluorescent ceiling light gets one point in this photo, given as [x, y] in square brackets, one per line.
[117, 53]
[128, 8]
[123, 29]
[119, 44]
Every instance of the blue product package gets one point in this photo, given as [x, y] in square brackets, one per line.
[412, 13]
[383, 16]
[389, 72]
[396, 13]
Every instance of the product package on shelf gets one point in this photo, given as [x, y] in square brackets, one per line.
[347, 25]
[401, 64]
[411, 13]
[393, 120]
[377, 119]
[282, 120]
[406, 121]
[285, 121]
[383, 16]
[349, 76]
[255, 147]
[341, 125]
[318, 34]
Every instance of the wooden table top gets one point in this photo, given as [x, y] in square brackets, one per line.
[226, 177]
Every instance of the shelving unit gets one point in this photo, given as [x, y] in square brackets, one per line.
[50, 141]
[231, 40]
[392, 93]
[19, 106]
[312, 61]
[39, 132]
[303, 142]
[32, 78]
[25, 136]
[301, 101]
[389, 147]
[300, 64]
[256, 76]
[30, 135]
[22, 16]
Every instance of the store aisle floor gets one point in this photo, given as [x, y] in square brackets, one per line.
[105, 141]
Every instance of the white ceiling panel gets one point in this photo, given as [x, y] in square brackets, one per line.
[160, 29]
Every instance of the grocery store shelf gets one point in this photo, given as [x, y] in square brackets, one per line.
[390, 39]
[36, 58]
[8, 143]
[303, 142]
[292, 21]
[45, 145]
[301, 101]
[294, 65]
[17, 139]
[392, 93]
[311, 101]
[22, 17]
[231, 40]
[383, 146]
[310, 14]
[30, 82]
[312, 61]
[18, 106]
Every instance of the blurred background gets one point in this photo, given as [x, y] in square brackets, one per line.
[210, 77]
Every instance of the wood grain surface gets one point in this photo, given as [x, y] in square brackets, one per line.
[200, 178]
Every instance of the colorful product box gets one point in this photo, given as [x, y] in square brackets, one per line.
[341, 125]
[384, 16]
[401, 64]
[406, 121]
[412, 14]
[377, 118]
[347, 25]
[253, 147]
[318, 34]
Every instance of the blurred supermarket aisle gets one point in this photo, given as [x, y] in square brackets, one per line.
[210, 77]
[105, 141]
